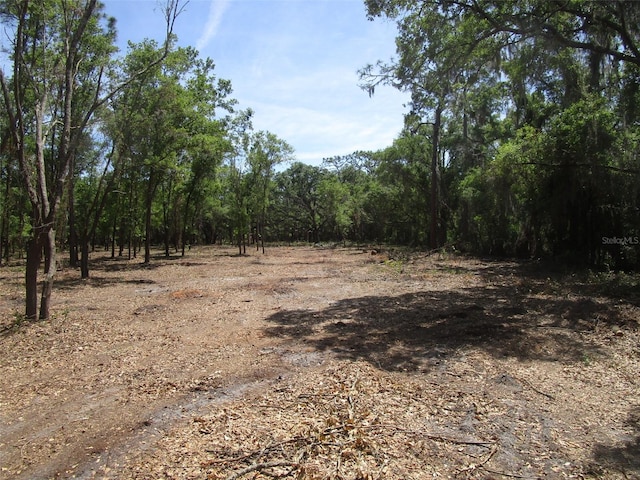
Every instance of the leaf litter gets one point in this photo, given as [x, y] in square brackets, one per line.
[323, 364]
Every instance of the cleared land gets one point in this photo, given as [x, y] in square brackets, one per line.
[321, 363]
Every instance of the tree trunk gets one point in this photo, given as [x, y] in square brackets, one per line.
[114, 232]
[73, 234]
[165, 220]
[49, 244]
[84, 258]
[151, 191]
[166, 232]
[434, 178]
[147, 233]
[185, 221]
[4, 231]
[31, 277]
[147, 220]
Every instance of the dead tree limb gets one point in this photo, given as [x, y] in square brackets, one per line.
[259, 466]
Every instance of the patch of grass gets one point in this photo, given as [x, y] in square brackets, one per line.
[64, 314]
[18, 319]
[395, 265]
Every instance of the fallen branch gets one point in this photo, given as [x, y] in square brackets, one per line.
[351, 401]
[482, 464]
[457, 441]
[494, 450]
[504, 474]
[259, 466]
[432, 436]
[528, 383]
[309, 441]
[258, 453]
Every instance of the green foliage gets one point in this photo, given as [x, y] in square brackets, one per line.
[538, 148]
[296, 205]
[522, 138]
[548, 192]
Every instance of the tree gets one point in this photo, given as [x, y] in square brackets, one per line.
[435, 63]
[206, 151]
[346, 191]
[499, 79]
[167, 117]
[236, 191]
[51, 44]
[597, 28]
[208, 141]
[12, 199]
[406, 178]
[93, 189]
[298, 202]
[266, 152]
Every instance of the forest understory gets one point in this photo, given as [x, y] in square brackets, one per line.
[321, 363]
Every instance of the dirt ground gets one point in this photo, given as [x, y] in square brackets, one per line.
[321, 363]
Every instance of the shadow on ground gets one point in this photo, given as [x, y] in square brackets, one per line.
[416, 330]
[626, 456]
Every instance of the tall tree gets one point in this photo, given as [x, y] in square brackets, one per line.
[158, 115]
[266, 152]
[51, 44]
[237, 192]
[437, 59]
[486, 72]
[298, 201]
[94, 189]
[208, 141]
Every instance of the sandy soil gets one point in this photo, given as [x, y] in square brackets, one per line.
[320, 363]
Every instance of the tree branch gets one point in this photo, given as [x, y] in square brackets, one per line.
[630, 171]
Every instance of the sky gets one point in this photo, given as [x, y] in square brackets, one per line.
[294, 62]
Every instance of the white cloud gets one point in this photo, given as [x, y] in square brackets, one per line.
[298, 72]
[318, 133]
[216, 11]
[294, 62]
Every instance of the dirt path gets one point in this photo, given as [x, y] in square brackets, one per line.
[320, 363]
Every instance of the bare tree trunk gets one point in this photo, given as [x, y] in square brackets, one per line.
[73, 234]
[434, 177]
[34, 249]
[4, 231]
[84, 258]
[114, 232]
[147, 217]
[49, 244]
[147, 232]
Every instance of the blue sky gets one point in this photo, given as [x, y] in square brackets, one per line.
[294, 62]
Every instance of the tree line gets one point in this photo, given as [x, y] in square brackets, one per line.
[530, 109]
[124, 150]
[521, 140]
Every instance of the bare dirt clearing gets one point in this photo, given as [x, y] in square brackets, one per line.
[320, 363]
